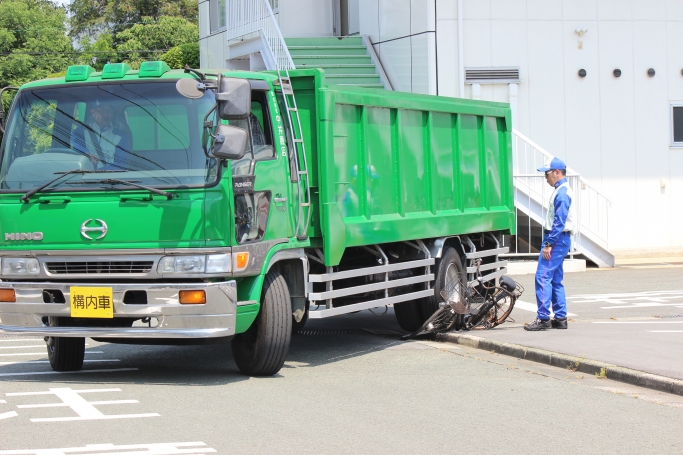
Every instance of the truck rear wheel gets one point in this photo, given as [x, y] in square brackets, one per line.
[448, 268]
[65, 354]
[262, 349]
[409, 315]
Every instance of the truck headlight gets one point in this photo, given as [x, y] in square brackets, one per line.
[20, 266]
[218, 263]
[182, 264]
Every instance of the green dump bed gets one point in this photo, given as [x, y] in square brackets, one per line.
[392, 166]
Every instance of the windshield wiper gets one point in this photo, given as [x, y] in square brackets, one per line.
[26, 197]
[168, 195]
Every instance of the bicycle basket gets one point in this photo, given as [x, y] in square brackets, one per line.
[463, 296]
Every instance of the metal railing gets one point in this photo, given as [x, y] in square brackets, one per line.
[246, 17]
[532, 195]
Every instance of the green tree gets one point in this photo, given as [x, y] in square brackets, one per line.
[164, 34]
[185, 54]
[33, 41]
[92, 17]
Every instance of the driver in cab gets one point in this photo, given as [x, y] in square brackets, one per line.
[105, 137]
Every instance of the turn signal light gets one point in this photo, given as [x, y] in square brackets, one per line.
[241, 261]
[192, 297]
[7, 295]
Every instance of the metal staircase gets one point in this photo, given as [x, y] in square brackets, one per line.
[349, 60]
[532, 195]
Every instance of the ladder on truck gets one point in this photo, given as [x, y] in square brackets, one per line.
[297, 155]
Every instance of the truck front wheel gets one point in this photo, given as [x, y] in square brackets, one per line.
[262, 349]
[65, 354]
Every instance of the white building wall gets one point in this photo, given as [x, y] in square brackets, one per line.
[614, 131]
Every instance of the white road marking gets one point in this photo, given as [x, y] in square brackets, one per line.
[15, 340]
[640, 305]
[637, 322]
[632, 299]
[665, 331]
[35, 373]
[526, 306]
[22, 362]
[43, 353]
[7, 415]
[85, 409]
[26, 347]
[191, 448]
[57, 405]
[26, 394]
[23, 347]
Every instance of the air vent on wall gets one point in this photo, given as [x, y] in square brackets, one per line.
[492, 75]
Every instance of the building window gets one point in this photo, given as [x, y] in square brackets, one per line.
[677, 124]
[217, 14]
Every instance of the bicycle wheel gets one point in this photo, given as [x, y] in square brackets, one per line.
[441, 321]
[503, 309]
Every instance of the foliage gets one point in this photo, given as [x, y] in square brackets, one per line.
[97, 53]
[33, 41]
[165, 34]
[185, 54]
[93, 17]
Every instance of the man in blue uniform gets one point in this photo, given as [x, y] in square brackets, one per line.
[557, 238]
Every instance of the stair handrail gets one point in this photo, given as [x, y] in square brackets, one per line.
[245, 17]
[592, 205]
[550, 156]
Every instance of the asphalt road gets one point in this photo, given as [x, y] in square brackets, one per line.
[631, 317]
[342, 390]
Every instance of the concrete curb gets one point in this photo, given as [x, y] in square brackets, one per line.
[615, 372]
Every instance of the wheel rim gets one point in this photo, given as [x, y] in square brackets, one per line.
[451, 283]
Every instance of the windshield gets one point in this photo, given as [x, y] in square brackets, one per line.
[147, 131]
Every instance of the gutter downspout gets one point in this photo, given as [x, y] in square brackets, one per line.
[461, 64]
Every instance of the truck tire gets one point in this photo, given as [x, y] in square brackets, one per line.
[447, 268]
[409, 315]
[65, 354]
[262, 349]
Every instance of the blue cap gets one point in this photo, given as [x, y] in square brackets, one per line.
[555, 163]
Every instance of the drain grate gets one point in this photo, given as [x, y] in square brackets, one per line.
[670, 316]
[323, 332]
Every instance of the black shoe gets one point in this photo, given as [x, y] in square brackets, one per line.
[559, 323]
[538, 324]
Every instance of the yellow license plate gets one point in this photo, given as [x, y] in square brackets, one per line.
[87, 302]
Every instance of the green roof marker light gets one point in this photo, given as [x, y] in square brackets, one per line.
[153, 69]
[115, 70]
[78, 73]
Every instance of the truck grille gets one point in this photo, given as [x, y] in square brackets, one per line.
[59, 268]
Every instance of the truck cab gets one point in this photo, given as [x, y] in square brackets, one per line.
[118, 221]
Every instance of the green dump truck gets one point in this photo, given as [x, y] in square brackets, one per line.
[168, 206]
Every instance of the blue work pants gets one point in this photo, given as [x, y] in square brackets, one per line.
[549, 274]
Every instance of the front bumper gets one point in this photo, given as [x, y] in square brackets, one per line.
[214, 319]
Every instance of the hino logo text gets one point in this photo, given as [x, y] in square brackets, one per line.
[24, 236]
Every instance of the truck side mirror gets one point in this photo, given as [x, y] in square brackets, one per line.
[230, 142]
[234, 98]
